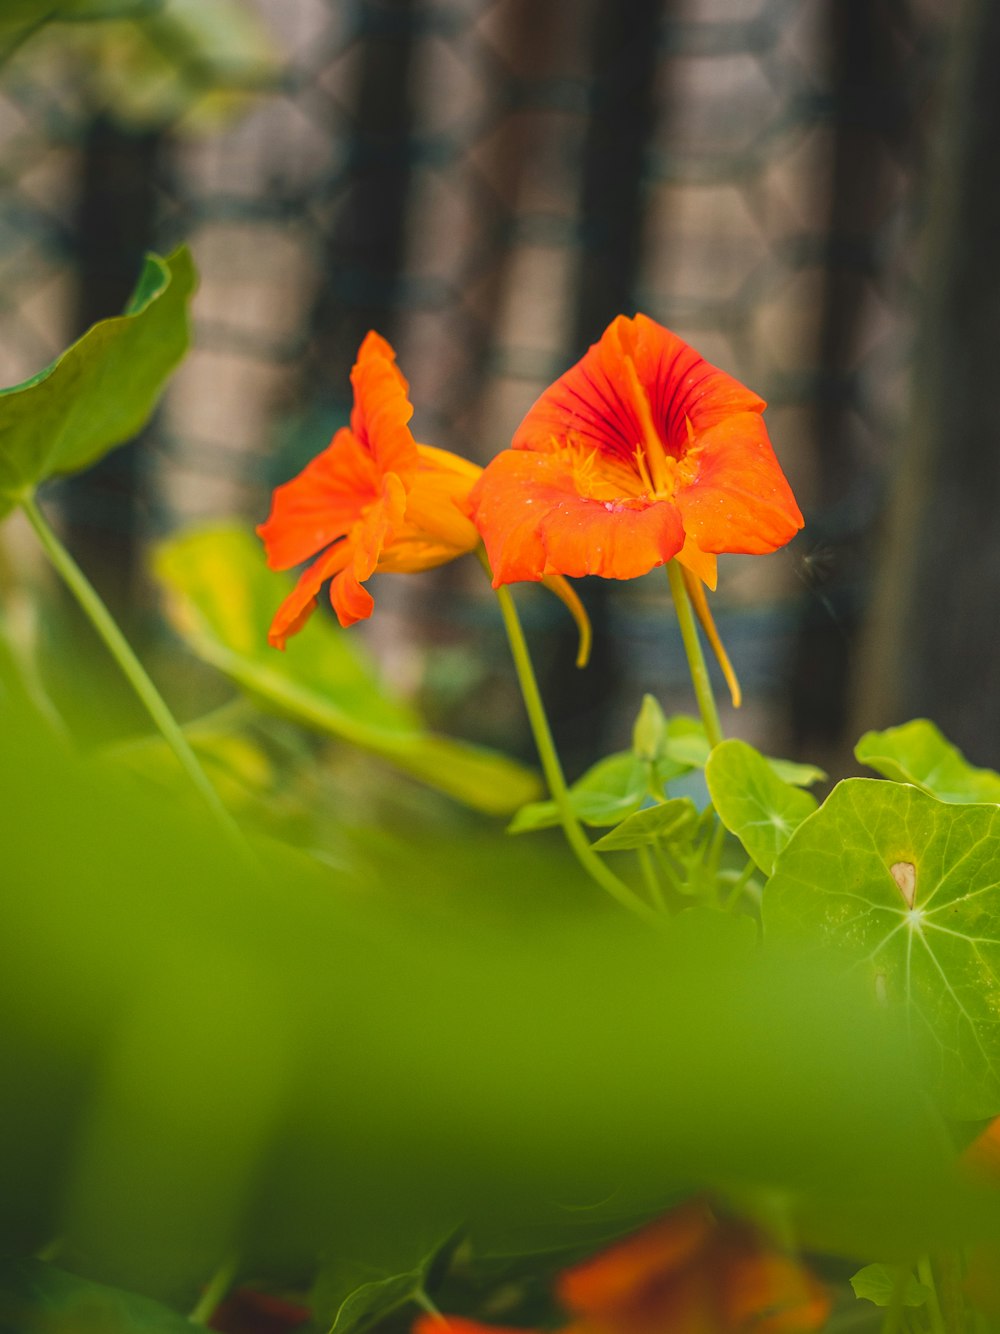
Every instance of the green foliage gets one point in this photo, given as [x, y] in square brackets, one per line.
[668, 823]
[19, 17]
[609, 791]
[905, 887]
[753, 802]
[877, 1283]
[221, 600]
[917, 753]
[289, 1067]
[37, 1298]
[101, 391]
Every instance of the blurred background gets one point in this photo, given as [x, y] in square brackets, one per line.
[806, 190]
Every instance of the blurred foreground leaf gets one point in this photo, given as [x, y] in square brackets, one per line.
[917, 753]
[907, 888]
[291, 1067]
[18, 17]
[37, 1298]
[221, 599]
[101, 391]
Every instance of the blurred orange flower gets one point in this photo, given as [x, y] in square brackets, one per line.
[689, 1272]
[640, 453]
[374, 499]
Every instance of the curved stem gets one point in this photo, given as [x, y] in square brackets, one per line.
[218, 1285]
[107, 627]
[696, 658]
[577, 839]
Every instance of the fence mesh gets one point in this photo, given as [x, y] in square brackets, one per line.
[488, 182]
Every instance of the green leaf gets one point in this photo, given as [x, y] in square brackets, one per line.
[799, 775]
[38, 1298]
[877, 1283]
[753, 802]
[917, 753]
[608, 792]
[671, 822]
[221, 600]
[687, 744]
[907, 887]
[290, 1066]
[101, 391]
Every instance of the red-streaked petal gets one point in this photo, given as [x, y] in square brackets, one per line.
[535, 522]
[593, 404]
[296, 609]
[382, 409]
[737, 498]
[321, 504]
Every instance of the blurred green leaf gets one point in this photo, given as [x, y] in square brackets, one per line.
[906, 886]
[221, 599]
[672, 821]
[37, 1298]
[753, 802]
[610, 790]
[290, 1067]
[916, 752]
[101, 391]
[877, 1283]
[686, 743]
[18, 17]
[196, 59]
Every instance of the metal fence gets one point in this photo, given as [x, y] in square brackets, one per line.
[488, 182]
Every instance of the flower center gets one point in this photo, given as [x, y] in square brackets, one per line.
[655, 466]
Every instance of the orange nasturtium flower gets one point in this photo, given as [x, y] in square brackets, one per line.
[374, 499]
[641, 453]
[690, 1272]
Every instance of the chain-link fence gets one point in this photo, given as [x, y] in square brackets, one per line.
[489, 182]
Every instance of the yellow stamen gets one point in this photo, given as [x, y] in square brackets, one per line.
[696, 592]
[658, 462]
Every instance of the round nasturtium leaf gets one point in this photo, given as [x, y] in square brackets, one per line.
[908, 888]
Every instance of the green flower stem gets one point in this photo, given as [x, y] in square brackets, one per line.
[696, 658]
[650, 877]
[216, 1289]
[120, 649]
[577, 839]
[925, 1273]
[892, 1321]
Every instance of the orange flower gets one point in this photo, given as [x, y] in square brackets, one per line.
[688, 1272]
[373, 500]
[694, 1272]
[640, 453]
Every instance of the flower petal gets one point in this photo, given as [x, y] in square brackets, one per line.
[321, 503]
[736, 497]
[535, 522]
[593, 404]
[300, 604]
[382, 409]
[436, 527]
